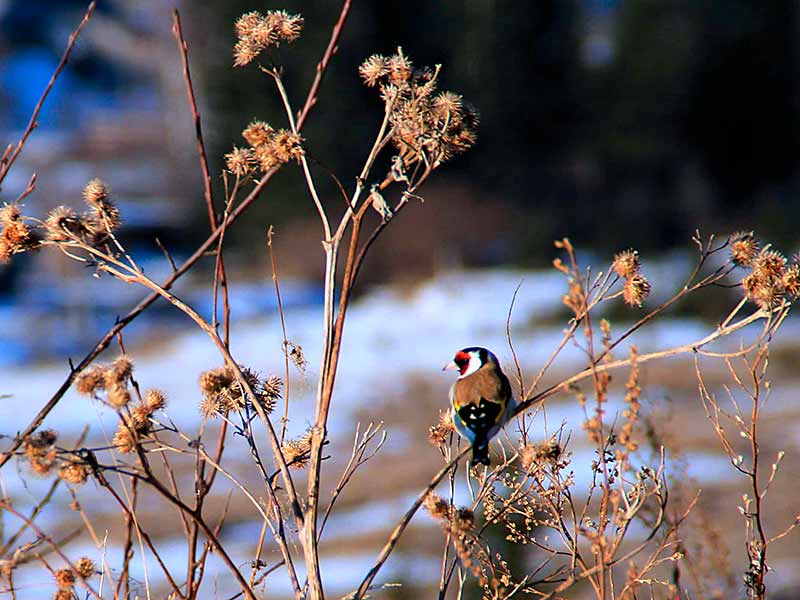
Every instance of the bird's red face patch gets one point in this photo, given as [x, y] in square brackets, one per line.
[462, 361]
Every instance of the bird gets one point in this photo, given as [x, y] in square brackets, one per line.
[481, 399]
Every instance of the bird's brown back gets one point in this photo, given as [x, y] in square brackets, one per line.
[487, 382]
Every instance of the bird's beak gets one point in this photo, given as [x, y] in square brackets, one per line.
[451, 366]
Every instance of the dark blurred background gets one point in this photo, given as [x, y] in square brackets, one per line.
[617, 123]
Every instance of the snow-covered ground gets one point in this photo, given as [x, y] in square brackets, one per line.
[391, 337]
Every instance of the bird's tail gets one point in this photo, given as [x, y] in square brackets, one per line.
[480, 453]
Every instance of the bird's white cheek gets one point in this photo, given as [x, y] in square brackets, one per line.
[474, 365]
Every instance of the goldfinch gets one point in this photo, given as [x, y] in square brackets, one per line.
[481, 399]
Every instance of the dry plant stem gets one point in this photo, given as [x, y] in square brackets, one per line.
[198, 129]
[357, 458]
[285, 418]
[322, 66]
[686, 348]
[331, 347]
[394, 538]
[9, 157]
[132, 521]
[187, 265]
[127, 544]
[207, 531]
[56, 546]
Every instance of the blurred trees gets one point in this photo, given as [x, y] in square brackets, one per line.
[601, 119]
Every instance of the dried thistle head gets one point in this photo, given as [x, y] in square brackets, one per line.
[117, 395]
[5, 251]
[64, 595]
[216, 380]
[766, 292]
[258, 133]
[626, 264]
[155, 400]
[463, 521]
[10, 214]
[223, 392]
[636, 290]
[246, 24]
[95, 192]
[374, 69]
[256, 32]
[15, 236]
[269, 148]
[399, 67]
[85, 567]
[211, 407]
[239, 161]
[73, 472]
[286, 27]
[765, 283]
[91, 380]
[63, 224]
[744, 248]
[439, 434]
[791, 281]
[270, 393]
[140, 415]
[116, 378]
[244, 52]
[447, 104]
[297, 452]
[124, 438]
[282, 147]
[437, 507]
[65, 579]
[287, 146]
[42, 439]
[769, 264]
[40, 452]
[534, 456]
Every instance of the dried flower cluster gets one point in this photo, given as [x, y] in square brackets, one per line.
[137, 423]
[40, 451]
[744, 248]
[15, 235]
[429, 128]
[459, 524]
[43, 458]
[222, 391]
[539, 456]
[631, 412]
[74, 472]
[297, 452]
[771, 278]
[268, 149]
[636, 288]
[66, 578]
[256, 32]
[64, 225]
[113, 379]
[439, 434]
